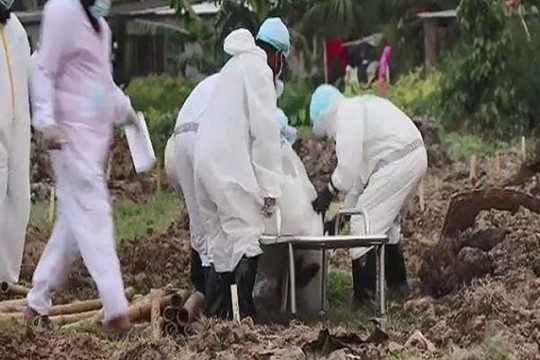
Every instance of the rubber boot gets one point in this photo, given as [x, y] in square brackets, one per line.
[218, 294]
[197, 272]
[396, 271]
[364, 272]
[244, 276]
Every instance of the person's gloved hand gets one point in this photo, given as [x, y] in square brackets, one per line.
[53, 137]
[323, 200]
[269, 207]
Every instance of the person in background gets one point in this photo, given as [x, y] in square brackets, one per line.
[75, 105]
[238, 163]
[14, 142]
[384, 69]
[381, 161]
[179, 165]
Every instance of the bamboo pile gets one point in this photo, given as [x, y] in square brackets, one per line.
[168, 311]
[180, 313]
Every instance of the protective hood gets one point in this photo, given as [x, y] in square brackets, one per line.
[242, 42]
[327, 123]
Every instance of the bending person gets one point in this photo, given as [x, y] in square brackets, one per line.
[75, 103]
[238, 163]
[381, 160]
[179, 164]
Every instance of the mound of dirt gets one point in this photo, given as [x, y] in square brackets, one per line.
[500, 243]
[157, 261]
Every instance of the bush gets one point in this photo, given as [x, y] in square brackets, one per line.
[160, 126]
[491, 83]
[416, 94]
[163, 93]
[295, 101]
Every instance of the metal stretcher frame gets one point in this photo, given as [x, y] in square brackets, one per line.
[325, 243]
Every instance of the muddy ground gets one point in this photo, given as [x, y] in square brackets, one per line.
[485, 281]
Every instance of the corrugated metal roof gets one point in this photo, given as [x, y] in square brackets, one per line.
[438, 14]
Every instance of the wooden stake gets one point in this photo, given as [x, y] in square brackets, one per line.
[523, 148]
[235, 306]
[109, 166]
[421, 196]
[325, 59]
[497, 165]
[472, 169]
[155, 319]
[158, 176]
[52, 205]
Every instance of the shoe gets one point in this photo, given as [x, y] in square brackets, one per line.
[120, 327]
[34, 319]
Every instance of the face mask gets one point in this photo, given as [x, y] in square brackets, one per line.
[100, 8]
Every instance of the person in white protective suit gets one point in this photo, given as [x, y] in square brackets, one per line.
[297, 218]
[179, 165]
[14, 142]
[238, 164]
[381, 160]
[75, 104]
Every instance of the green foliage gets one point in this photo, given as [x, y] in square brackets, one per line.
[295, 101]
[163, 93]
[160, 126]
[416, 93]
[481, 88]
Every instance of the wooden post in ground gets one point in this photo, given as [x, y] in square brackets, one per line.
[523, 148]
[497, 165]
[325, 59]
[109, 166]
[155, 319]
[472, 169]
[235, 305]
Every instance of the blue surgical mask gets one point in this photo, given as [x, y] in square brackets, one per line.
[100, 8]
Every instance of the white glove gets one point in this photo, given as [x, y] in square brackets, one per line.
[269, 207]
[53, 137]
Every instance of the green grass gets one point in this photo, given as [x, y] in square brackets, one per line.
[132, 220]
[461, 146]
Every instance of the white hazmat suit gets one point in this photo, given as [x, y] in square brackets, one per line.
[179, 158]
[381, 160]
[237, 156]
[14, 146]
[74, 90]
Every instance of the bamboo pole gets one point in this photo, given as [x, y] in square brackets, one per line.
[192, 308]
[6, 306]
[179, 298]
[13, 289]
[169, 314]
[63, 319]
[142, 312]
[523, 148]
[171, 329]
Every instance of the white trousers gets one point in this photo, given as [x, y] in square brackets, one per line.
[179, 165]
[84, 226]
[386, 195]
